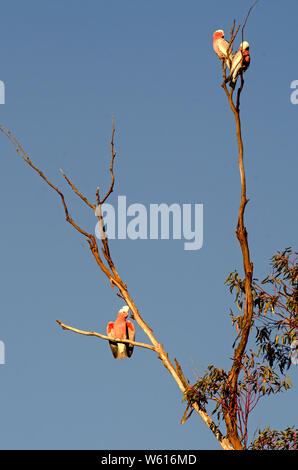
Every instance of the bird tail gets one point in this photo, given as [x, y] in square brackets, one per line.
[230, 81]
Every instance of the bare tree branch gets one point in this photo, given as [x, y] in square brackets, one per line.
[94, 333]
[245, 21]
[92, 206]
[113, 155]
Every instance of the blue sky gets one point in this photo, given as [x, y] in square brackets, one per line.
[68, 67]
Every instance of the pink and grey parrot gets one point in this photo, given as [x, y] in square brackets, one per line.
[221, 46]
[121, 329]
[240, 63]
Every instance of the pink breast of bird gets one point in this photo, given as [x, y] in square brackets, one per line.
[120, 329]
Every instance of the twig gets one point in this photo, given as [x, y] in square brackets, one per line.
[248, 13]
[94, 333]
[92, 206]
[113, 155]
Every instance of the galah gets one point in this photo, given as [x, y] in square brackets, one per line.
[240, 63]
[221, 46]
[121, 329]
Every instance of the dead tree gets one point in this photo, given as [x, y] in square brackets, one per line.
[102, 255]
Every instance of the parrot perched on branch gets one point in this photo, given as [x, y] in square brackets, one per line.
[240, 63]
[121, 329]
[221, 46]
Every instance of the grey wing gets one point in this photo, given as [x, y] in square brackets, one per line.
[223, 46]
[130, 334]
[236, 65]
[113, 345]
